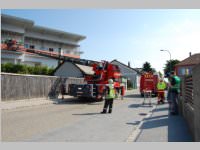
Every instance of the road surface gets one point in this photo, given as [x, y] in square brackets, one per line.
[75, 121]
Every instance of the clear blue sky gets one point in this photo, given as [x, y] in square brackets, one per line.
[134, 35]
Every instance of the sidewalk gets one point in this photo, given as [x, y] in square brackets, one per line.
[163, 127]
[29, 102]
[13, 104]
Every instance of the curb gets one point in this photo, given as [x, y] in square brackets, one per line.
[6, 105]
[136, 131]
[21, 104]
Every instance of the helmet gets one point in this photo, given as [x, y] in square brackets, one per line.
[110, 81]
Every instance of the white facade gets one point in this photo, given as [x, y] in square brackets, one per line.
[128, 72]
[36, 37]
[29, 59]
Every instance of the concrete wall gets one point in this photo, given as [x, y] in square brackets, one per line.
[17, 87]
[196, 84]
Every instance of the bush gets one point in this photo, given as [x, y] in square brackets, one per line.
[8, 67]
[50, 71]
[24, 69]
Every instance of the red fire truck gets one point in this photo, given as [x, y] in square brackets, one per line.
[96, 83]
[148, 82]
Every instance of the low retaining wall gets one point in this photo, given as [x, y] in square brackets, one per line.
[17, 87]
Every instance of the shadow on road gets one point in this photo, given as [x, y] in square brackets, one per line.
[76, 101]
[156, 117]
[142, 114]
[176, 126]
[161, 109]
[133, 123]
[133, 96]
[88, 114]
[139, 105]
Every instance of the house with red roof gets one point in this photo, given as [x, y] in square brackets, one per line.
[185, 66]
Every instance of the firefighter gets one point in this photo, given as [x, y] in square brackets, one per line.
[175, 91]
[109, 97]
[161, 86]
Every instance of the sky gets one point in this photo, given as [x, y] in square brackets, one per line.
[135, 35]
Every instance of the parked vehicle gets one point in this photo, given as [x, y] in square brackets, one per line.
[148, 81]
[96, 83]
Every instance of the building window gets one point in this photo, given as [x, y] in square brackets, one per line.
[26, 45]
[51, 49]
[32, 47]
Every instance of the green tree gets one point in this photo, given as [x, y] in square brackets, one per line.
[173, 62]
[147, 67]
[160, 74]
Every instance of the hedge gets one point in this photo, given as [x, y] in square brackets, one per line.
[25, 69]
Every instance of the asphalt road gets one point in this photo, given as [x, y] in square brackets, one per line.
[75, 121]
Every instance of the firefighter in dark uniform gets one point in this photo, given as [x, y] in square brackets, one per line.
[109, 97]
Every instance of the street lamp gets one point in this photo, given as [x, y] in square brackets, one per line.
[170, 67]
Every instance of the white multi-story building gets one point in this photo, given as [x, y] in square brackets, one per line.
[39, 38]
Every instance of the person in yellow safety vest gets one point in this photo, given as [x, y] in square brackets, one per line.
[161, 86]
[109, 97]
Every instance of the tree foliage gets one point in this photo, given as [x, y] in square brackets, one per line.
[173, 62]
[147, 67]
[160, 74]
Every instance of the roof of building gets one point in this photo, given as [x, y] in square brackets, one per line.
[60, 33]
[136, 70]
[30, 24]
[192, 60]
[85, 69]
[84, 65]
[16, 20]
